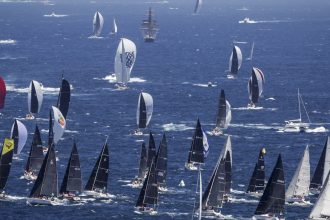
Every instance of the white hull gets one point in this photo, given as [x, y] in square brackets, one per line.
[97, 194]
[190, 166]
[37, 202]
[146, 211]
[296, 200]
[266, 217]
[29, 176]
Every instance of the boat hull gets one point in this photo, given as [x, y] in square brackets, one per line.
[149, 40]
[190, 166]
[43, 202]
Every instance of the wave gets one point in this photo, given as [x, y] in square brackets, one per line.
[112, 79]
[8, 57]
[205, 85]
[257, 126]
[9, 41]
[320, 129]
[255, 108]
[300, 204]
[95, 37]
[243, 200]
[46, 90]
[240, 42]
[55, 15]
[242, 9]
[176, 127]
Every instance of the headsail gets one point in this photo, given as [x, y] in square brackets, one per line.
[6, 158]
[64, 97]
[124, 60]
[98, 180]
[19, 134]
[35, 97]
[36, 155]
[273, 198]
[144, 110]
[58, 125]
[161, 162]
[72, 179]
[2, 93]
[299, 185]
[257, 181]
[235, 60]
[46, 182]
[98, 22]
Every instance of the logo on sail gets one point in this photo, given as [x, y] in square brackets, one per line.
[61, 120]
[129, 59]
[8, 146]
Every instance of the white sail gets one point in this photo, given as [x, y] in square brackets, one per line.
[239, 58]
[39, 96]
[321, 208]
[22, 135]
[299, 185]
[228, 115]
[59, 124]
[114, 27]
[197, 6]
[260, 78]
[124, 60]
[98, 22]
[251, 52]
[226, 148]
[326, 161]
[149, 104]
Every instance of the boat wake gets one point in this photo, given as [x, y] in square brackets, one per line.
[95, 37]
[243, 200]
[257, 126]
[176, 127]
[53, 15]
[8, 57]
[112, 79]
[300, 204]
[8, 42]
[45, 90]
[254, 108]
[320, 129]
[204, 85]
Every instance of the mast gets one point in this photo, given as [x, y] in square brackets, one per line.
[299, 106]
[6, 158]
[273, 198]
[98, 180]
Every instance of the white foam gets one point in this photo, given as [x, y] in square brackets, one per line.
[176, 127]
[46, 90]
[243, 200]
[204, 85]
[55, 15]
[8, 57]
[271, 99]
[257, 126]
[240, 42]
[320, 129]
[255, 108]
[9, 41]
[95, 37]
[112, 79]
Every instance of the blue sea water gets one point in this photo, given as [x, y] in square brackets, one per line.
[291, 47]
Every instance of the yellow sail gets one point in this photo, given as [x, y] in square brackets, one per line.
[8, 146]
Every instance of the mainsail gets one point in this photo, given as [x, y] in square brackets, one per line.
[98, 180]
[273, 199]
[124, 60]
[19, 134]
[144, 110]
[299, 185]
[321, 207]
[72, 182]
[35, 97]
[143, 162]
[2, 93]
[224, 112]
[46, 182]
[235, 60]
[151, 150]
[161, 162]
[64, 96]
[149, 192]
[58, 125]
[114, 27]
[149, 27]
[98, 22]
[6, 158]
[257, 181]
[36, 155]
[196, 152]
[322, 168]
[255, 85]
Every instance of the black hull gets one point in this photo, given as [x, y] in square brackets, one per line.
[149, 40]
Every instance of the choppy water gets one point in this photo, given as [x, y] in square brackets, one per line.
[291, 47]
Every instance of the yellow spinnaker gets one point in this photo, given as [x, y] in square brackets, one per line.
[7, 146]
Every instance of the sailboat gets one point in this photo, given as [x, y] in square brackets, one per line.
[35, 158]
[251, 52]
[322, 169]
[124, 62]
[98, 22]
[235, 62]
[138, 180]
[223, 115]
[98, 181]
[255, 86]
[35, 97]
[144, 111]
[161, 164]
[3, 92]
[257, 181]
[298, 124]
[272, 201]
[64, 97]
[6, 158]
[149, 28]
[196, 152]
[198, 6]
[148, 197]
[114, 27]
[321, 208]
[72, 183]
[45, 188]
[19, 134]
[212, 199]
[298, 189]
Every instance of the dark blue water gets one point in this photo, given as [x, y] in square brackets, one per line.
[291, 47]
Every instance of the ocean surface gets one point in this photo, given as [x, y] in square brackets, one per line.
[292, 44]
